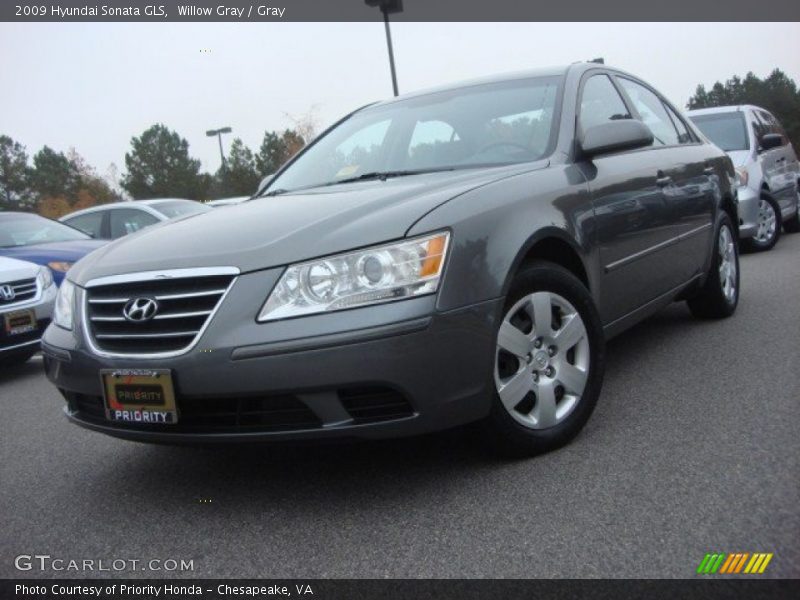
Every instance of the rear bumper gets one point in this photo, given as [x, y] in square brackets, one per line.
[402, 378]
[748, 212]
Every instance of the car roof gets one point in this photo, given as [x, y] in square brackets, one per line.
[723, 109]
[151, 204]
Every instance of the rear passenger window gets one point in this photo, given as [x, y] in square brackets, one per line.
[129, 220]
[653, 112]
[601, 103]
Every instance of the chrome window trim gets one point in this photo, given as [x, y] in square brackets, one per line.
[151, 276]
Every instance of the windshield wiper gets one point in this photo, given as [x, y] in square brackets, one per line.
[277, 192]
[384, 175]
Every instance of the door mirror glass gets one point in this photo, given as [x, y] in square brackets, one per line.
[615, 136]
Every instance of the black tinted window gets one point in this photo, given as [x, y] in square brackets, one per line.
[601, 103]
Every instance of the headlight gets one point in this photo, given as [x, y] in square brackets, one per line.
[741, 177]
[65, 301]
[44, 278]
[371, 276]
[60, 266]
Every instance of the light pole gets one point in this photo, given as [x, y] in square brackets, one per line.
[218, 133]
[388, 7]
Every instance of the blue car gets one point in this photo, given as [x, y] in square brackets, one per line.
[30, 237]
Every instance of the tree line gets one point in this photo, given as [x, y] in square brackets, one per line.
[158, 165]
[777, 93]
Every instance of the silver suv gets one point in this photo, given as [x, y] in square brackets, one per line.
[768, 173]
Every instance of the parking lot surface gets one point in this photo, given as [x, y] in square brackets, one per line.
[693, 448]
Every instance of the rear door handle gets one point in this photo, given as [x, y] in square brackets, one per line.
[663, 181]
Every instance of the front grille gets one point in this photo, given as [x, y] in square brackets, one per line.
[374, 404]
[185, 305]
[213, 415]
[22, 291]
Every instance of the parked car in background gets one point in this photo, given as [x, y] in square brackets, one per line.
[429, 261]
[34, 238]
[112, 221]
[227, 201]
[27, 295]
[767, 169]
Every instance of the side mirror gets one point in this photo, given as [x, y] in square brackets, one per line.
[614, 136]
[770, 141]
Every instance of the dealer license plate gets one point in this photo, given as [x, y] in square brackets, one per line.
[143, 396]
[20, 321]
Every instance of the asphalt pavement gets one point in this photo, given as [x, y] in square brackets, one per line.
[693, 448]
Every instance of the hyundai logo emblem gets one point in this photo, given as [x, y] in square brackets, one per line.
[7, 292]
[140, 309]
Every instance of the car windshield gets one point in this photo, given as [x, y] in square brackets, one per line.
[27, 230]
[179, 208]
[480, 125]
[727, 130]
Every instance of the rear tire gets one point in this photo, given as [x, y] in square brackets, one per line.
[769, 225]
[719, 295]
[549, 362]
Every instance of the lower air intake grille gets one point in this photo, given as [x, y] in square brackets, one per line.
[370, 405]
[152, 316]
[213, 415]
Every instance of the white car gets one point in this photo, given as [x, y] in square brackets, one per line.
[767, 169]
[112, 221]
[27, 296]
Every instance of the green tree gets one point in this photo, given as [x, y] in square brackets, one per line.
[276, 149]
[777, 93]
[239, 176]
[54, 175]
[14, 175]
[159, 166]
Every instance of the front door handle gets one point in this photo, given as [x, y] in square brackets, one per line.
[709, 170]
[663, 181]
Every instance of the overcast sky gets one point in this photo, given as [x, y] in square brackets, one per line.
[93, 86]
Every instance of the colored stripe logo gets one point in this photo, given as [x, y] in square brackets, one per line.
[734, 563]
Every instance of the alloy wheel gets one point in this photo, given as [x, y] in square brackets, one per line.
[542, 360]
[727, 263]
[767, 222]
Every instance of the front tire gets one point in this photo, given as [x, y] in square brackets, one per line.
[719, 295]
[549, 362]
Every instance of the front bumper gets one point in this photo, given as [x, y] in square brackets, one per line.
[26, 342]
[748, 212]
[410, 375]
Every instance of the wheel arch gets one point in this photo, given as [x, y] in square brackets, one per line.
[554, 245]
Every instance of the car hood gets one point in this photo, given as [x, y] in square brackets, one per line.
[278, 230]
[55, 251]
[739, 157]
[12, 269]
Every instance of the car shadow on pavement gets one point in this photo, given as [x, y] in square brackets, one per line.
[243, 474]
[32, 367]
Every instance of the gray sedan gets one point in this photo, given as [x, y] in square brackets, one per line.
[448, 256]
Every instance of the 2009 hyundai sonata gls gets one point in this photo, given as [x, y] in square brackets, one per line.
[440, 258]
